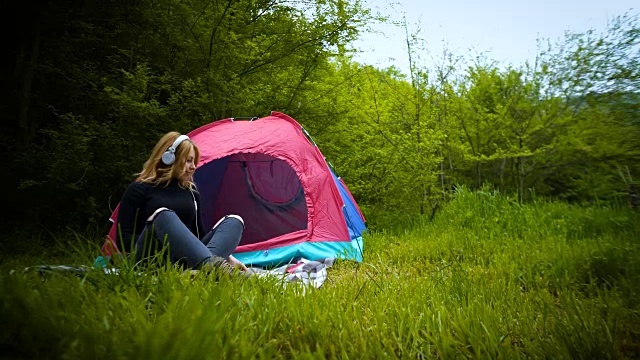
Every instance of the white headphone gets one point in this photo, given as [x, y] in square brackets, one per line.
[169, 156]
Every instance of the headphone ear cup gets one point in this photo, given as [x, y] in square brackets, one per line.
[168, 158]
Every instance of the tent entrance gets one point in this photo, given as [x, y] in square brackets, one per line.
[264, 190]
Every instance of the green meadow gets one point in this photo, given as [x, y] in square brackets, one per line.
[487, 277]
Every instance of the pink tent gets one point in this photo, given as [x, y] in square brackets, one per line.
[270, 173]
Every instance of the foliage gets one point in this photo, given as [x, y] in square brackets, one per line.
[489, 277]
[107, 79]
[92, 86]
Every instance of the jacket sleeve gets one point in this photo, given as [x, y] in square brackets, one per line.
[130, 216]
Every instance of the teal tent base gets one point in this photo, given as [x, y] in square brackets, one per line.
[308, 250]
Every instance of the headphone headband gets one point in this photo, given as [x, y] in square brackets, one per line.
[169, 156]
[179, 141]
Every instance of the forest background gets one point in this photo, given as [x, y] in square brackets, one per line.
[88, 87]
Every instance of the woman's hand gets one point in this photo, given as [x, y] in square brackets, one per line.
[235, 262]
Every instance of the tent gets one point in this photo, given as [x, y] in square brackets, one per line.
[270, 172]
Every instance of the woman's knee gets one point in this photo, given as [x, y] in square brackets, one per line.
[238, 218]
[161, 213]
[230, 219]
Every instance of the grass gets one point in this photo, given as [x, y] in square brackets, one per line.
[488, 278]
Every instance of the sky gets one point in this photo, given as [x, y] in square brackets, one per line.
[506, 31]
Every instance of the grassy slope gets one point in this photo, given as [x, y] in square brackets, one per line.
[488, 278]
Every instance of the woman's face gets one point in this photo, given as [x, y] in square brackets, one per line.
[189, 166]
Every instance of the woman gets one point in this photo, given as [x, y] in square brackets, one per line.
[162, 207]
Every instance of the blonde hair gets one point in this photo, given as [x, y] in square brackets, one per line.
[154, 171]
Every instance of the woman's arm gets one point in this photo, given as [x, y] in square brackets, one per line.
[129, 215]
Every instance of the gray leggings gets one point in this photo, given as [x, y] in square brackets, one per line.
[183, 246]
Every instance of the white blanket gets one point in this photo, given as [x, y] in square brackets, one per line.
[304, 272]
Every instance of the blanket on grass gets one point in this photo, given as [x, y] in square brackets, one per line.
[306, 272]
[303, 272]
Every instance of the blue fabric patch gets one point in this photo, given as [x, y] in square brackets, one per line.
[308, 250]
[354, 221]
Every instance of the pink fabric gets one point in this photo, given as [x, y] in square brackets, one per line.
[110, 246]
[282, 138]
[273, 137]
[284, 240]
